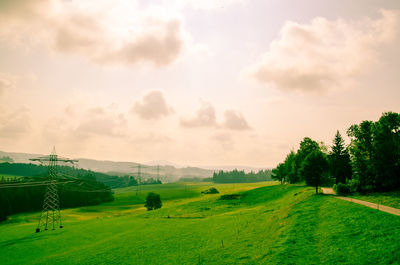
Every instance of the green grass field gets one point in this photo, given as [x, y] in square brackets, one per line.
[391, 199]
[267, 224]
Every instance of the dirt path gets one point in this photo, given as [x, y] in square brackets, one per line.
[379, 207]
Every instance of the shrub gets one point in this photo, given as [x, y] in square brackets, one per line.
[341, 189]
[230, 197]
[211, 190]
[353, 185]
[153, 201]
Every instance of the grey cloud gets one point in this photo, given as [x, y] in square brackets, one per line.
[325, 54]
[152, 106]
[235, 121]
[205, 117]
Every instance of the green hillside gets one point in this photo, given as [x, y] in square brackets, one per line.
[275, 224]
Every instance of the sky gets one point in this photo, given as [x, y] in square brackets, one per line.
[200, 83]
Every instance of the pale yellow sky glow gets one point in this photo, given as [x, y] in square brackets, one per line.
[224, 82]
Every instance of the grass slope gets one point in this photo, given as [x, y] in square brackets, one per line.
[266, 225]
[391, 199]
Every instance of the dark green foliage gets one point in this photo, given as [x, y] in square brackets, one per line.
[314, 169]
[279, 173]
[386, 150]
[20, 169]
[211, 190]
[370, 163]
[153, 201]
[230, 197]
[341, 189]
[290, 168]
[361, 149]
[339, 160]
[236, 176]
[375, 153]
[85, 191]
[307, 146]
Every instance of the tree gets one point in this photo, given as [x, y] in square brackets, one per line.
[362, 153]
[307, 146]
[290, 171]
[386, 155]
[314, 169]
[339, 160]
[279, 173]
[153, 201]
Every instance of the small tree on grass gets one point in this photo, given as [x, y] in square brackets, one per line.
[314, 168]
[153, 201]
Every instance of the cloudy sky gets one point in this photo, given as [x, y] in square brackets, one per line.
[195, 82]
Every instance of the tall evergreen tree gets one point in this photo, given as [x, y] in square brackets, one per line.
[339, 159]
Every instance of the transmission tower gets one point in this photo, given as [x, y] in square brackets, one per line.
[50, 216]
[139, 176]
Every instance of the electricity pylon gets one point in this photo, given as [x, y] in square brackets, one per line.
[50, 216]
[139, 175]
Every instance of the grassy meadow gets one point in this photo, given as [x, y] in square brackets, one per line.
[266, 224]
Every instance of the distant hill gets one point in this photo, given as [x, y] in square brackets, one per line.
[168, 173]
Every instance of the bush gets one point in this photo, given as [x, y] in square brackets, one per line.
[230, 197]
[353, 185]
[211, 190]
[341, 189]
[153, 201]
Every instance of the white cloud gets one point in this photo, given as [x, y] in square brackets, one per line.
[325, 54]
[153, 106]
[116, 32]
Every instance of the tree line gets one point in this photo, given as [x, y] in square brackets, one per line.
[236, 176]
[371, 162]
[24, 195]
[29, 170]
